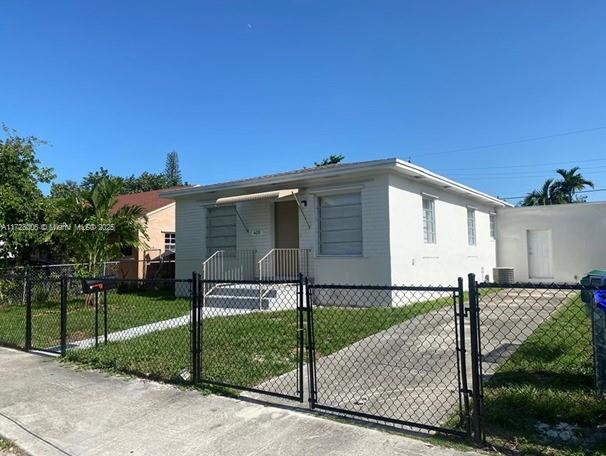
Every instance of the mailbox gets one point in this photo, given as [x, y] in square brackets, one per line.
[97, 284]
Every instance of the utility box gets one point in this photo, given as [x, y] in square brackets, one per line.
[595, 303]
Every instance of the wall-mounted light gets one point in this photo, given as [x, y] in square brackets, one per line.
[304, 203]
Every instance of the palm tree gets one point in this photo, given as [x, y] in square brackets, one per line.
[542, 197]
[98, 231]
[331, 160]
[571, 182]
[561, 191]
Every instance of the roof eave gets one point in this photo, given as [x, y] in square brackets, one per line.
[396, 164]
[448, 184]
[286, 177]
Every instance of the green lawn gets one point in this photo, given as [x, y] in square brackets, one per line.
[247, 349]
[125, 310]
[549, 379]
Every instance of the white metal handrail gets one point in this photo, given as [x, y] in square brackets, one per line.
[228, 265]
[212, 268]
[284, 264]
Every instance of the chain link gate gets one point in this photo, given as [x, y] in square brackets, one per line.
[396, 356]
[248, 335]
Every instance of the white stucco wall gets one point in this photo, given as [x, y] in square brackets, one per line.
[190, 225]
[578, 234]
[372, 267]
[393, 247]
[415, 263]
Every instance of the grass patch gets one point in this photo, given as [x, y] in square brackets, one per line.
[8, 448]
[247, 349]
[548, 379]
[125, 310]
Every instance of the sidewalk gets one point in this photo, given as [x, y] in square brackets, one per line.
[50, 409]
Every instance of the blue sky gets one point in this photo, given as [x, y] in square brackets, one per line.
[246, 88]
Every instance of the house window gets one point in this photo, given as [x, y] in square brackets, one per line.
[493, 226]
[169, 242]
[471, 226]
[221, 228]
[429, 221]
[340, 219]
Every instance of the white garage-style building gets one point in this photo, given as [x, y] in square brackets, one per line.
[558, 243]
[384, 222]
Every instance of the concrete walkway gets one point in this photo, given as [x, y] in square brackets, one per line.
[142, 330]
[50, 409]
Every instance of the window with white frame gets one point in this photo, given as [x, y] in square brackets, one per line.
[429, 221]
[221, 228]
[471, 226]
[169, 242]
[493, 226]
[340, 224]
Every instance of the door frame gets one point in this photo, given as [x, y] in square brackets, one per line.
[549, 236]
[275, 223]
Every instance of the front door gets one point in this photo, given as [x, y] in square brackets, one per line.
[539, 254]
[286, 240]
[286, 224]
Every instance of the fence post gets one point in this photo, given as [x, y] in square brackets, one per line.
[194, 329]
[311, 349]
[475, 359]
[463, 353]
[96, 319]
[104, 315]
[28, 312]
[300, 335]
[63, 315]
[200, 318]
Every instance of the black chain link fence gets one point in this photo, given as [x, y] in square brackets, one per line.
[522, 365]
[251, 336]
[140, 327]
[12, 310]
[390, 354]
[540, 365]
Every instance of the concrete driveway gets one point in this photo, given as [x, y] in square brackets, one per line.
[409, 371]
[50, 409]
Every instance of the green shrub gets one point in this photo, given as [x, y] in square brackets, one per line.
[11, 292]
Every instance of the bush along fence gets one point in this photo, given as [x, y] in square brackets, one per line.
[503, 362]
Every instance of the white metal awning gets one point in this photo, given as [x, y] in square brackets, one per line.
[274, 194]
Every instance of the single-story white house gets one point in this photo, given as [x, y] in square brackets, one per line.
[374, 222]
[558, 243]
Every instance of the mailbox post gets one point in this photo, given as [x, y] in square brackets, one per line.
[93, 287]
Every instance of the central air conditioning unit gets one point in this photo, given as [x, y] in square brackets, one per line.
[502, 275]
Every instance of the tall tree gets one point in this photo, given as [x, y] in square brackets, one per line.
[330, 160]
[571, 183]
[560, 191]
[98, 230]
[94, 177]
[144, 183]
[541, 197]
[22, 204]
[172, 173]
[64, 188]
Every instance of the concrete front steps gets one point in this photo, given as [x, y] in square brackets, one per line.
[247, 296]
